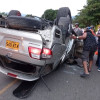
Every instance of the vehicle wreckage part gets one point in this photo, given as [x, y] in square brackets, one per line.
[24, 89]
[64, 22]
[12, 75]
[20, 71]
[69, 46]
[36, 52]
[14, 13]
[3, 19]
[2, 22]
[47, 53]
[27, 23]
[63, 12]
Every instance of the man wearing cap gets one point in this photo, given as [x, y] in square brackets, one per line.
[89, 48]
[78, 30]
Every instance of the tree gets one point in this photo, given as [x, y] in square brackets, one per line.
[50, 14]
[29, 15]
[90, 14]
[3, 13]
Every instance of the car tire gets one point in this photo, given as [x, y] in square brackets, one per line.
[14, 13]
[63, 12]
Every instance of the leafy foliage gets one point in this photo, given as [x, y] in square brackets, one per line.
[29, 15]
[90, 15]
[50, 14]
[3, 13]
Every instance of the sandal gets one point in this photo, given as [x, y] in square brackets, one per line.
[84, 75]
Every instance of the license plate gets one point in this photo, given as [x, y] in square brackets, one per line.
[12, 45]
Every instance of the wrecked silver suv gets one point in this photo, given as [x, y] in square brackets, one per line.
[33, 47]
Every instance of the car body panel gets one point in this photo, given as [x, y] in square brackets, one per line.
[50, 38]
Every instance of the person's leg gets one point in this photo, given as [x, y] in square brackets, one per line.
[85, 56]
[85, 67]
[90, 65]
[98, 55]
[90, 60]
[98, 60]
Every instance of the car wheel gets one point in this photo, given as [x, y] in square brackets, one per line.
[63, 12]
[14, 13]
[64, 22]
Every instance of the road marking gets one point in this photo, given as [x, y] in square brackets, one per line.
[8, 86]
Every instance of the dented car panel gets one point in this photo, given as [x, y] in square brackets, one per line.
[9, 38]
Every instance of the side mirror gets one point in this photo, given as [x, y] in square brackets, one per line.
[57, 33]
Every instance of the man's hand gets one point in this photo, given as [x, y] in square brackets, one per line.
[98, 35]
[73, 37]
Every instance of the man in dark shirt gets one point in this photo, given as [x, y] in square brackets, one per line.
[98, 59]
[89, 48]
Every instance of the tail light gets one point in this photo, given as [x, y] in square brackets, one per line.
[34, 52]
[37, 53]
[47, 53]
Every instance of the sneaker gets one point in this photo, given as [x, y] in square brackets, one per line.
[98, 69]
[84, 75]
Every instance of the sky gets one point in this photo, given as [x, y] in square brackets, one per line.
[37, 7]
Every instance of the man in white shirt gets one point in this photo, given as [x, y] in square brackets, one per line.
[78, 30]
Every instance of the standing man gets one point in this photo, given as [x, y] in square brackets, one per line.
[98, 58]
[89, 48]
[78, 30]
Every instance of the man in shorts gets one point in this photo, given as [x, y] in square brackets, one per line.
[89, 48]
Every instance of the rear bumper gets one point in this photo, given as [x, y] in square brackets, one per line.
[24, 60]
[19, 70]
[19, 75]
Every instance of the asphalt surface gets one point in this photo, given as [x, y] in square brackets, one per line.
[65, 84]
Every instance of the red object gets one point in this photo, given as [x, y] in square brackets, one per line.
[18, 14]
[12, 75]
[96, 53]
[36, 52]
[47, 51]
[93, 32]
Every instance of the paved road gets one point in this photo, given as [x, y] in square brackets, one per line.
[65, 83]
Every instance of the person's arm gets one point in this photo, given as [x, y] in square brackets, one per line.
[98, 35]
[80, 37]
